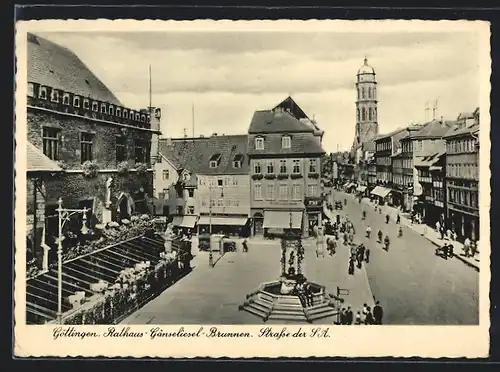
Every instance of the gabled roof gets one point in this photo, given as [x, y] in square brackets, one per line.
[195, 154]
[268, 121]
[428, 159]
[301, 143]
[390, 134]
[434, 129]
[39, 162]
[290, 104]
[459, 131]
[55, 66]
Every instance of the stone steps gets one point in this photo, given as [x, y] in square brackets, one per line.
[289, 317]
[255, 311]
[261, 305]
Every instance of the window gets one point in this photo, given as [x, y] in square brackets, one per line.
[190, 210]
[31, 90]
[121, 149]
[86, 147]
[257, 191]
[54, 95]
[51, 142]
[363, 114]
[214, 160]
[212, 202]
[125, 114]
[191, 193]
[270, 192]
[363, 93]
[312, 165]
[165, 174]
[259, 143]
[118, 112]
[179, 210]
[283, 166]
[111, 110]
[138, 117]
[226, 181]
[296, 166]
[66, 99]
[220, 202]
[103, 108]
[220, 182]
[213, 164]
[357, 116]
[312, 190]
[270, 167]
[238, 160]
[284, 191]
[95, 106]
[286, 142]
[235, 181]
[76, 101]
[256, 167]
[140, 152]
[296, 192]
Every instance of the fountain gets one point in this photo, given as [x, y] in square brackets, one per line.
[279, 300]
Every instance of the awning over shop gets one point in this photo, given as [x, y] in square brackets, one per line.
[361, 188]
[435, 168]
[185, 221]
[281, 219]
[381, 191]
[224, 221]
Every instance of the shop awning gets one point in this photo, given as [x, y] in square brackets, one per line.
[435, 168]
[361, 188]
[381, 191]
[185, 221]
[281, 220]
[224, 221]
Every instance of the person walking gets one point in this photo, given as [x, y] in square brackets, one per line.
[438, 227]
[380, 234]
[400, 232]
[473, 248]
[398, 219]
[364, 215]
[441, 231]
[367, 255]
[454, 235]
[349, 316]
[387, 218]
[368, 232]
[378, 313]
[358, 318]
[343, 319]
[351, 266]
[467, 247]
[386, 241]
[309, 294]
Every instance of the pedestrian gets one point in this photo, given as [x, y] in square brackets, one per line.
[349, 316]
[441, 231]
[453, 235]
[412, 218]
[367, 255]
[473, 248]
[398, 219]
[450, 250]
[400, 232]
[351, 266]
[309, 294]
[369, 317]
[467, 247]
[361, 252]
[343, 319]
[358, 318]
[386, 241]
[364, 215]
[378, 313]
[368, 232]
[448, 234]
[438, 227]
[387, 218]
[353, 251]
[380, 234]
[365, 309]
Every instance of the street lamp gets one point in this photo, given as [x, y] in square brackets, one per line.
[64, 215]
[210, 254]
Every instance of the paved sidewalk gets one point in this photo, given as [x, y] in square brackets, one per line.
[429, 233]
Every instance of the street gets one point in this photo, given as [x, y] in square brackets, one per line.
[413, 285]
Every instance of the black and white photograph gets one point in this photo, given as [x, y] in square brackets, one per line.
[301, 176]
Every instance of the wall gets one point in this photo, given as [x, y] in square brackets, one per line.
[35, 214]
[236, 193]
[161, 184]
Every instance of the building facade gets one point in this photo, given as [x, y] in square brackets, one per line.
[366, 106]
[285, 176]
[462, 181]
[105, 148]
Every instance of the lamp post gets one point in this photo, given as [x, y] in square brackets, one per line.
[64, 215]
[210, 255]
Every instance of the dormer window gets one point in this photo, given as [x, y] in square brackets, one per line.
[54, 95]
[238, 160]
[214, 161]
[31, 90]
[76, 101]
[111, 110]
[118, 111]
[66, 99]
[138, 117]
[125, 114]
[86, 104]
[95, 106]
[42, 93]
[286, 142]
[131, 115]
[143, 118]
[103, 108]
[259, 143]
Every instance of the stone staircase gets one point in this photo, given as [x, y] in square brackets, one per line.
[275, 308]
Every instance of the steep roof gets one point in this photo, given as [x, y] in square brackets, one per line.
[434, 129]
[53, 65]
[290, 104]
[38, 162]
[195, 154]
[458, 131]
[368, 145]
[301, 143]
[390, 134]
[428, 159]
[268, 121]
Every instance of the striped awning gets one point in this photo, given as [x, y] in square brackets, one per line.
[224, 221]
[381, 191]
[281, 219]
[185, 221]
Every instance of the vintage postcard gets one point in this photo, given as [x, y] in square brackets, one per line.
[252, 189]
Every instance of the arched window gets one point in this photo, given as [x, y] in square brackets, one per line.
[363, 93]
[374, 93]
[357, 114]
[375, 114]
[369, 92]
[370, 114]
[363, 114]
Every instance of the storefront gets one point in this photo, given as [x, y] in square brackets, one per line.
[381, 194]
[277, 222]
[314, 215]
[361, 190]
[227, 225]
[465, 224]
[185, 223]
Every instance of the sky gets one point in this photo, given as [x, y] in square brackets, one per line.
[226, 76]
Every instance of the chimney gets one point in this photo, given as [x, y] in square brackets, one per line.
[442, 122]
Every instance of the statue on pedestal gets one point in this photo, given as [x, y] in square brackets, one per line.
[109, 186]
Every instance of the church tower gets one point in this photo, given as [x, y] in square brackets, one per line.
[366, 105]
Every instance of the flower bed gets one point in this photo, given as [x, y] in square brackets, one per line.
[103, 236]
[133, 288]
